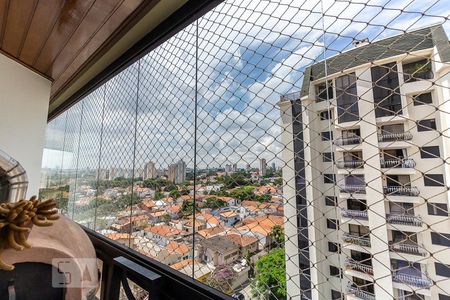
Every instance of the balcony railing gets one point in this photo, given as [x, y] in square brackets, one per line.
[400, 190]
[351, 264]
[412, 280]
[398, 163]
[355, 239]
[392, 137]
[353, 140]
[354, 164]
[121, 264]
[407, 248]
[353, 189]
[410, 220]
[355, 214]
[361, 294]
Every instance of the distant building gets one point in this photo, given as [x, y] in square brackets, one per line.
[177, 172]
[139, 172]
[263, 166]
[219, 250]
[248, 167]
[274, 167]
[228, 168]
[150, 171]
[235, 168]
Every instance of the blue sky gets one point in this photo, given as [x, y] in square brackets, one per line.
[250, 53]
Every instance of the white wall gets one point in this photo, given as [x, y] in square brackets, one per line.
[24, 97]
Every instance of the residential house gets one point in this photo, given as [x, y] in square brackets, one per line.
[210, 232]
[173, 211]
[157, 216]
[219, 250]
[162, 234]
[247, 244]
[174, 252]
[188, 226]
[123, 238]
[229, 218]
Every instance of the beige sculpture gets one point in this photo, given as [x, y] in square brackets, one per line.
[17, 219]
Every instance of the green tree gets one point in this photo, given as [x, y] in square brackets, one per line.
[243, 193]
[166, 218]
[214, 203]
[270, 276]
[277, 236]
[175, 194]
[278, 181]
[170, 187]
[126, 201]
[159, 195]
[187, 208]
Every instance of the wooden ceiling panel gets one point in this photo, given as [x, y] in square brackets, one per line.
[72, 15]
[45, 17]
[19, 17]
[99, 13]
[3, 17]
[103, 34]
[70, 42]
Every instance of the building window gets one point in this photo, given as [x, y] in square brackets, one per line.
[426, 125]
[444, 297]
[433, 179]
[429, 152]
[334, 247]
[332, 224]
[422, 99]
[329, 178]
[327, 135]
[327, 156]
[442, 239]
[417, 70]
[325, 115]
[386, 90]
[442, 270]
[437, 209]
[335, 295]
[330, 201]
[324, 91]
[335, 271]
[347, 99]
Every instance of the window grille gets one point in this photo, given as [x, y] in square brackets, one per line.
[270, 142]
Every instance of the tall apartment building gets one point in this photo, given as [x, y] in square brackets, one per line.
[150, 170]
[262, 166]
[177, 172]
[366, 176]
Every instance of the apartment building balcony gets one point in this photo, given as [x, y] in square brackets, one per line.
[402, 219]
[393, 137]
[397, 163]
[353, 265]
[395, 190]
[356, 240]
[354, 214]
[360, 294]
[347, 141]
[407, 248]
[353, 164]
[353, 189]
[412, 280]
